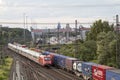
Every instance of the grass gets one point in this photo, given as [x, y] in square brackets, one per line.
[5, 69]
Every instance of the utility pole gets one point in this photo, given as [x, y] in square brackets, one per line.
[58, 30]
[49, 38]
[24, 26]
[67, 32]
[80, 32]
[117, 44]
[76, 43]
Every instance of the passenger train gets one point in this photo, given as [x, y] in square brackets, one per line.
[44, 60]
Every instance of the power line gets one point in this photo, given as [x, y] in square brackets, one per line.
[62, 6]
[48, 23]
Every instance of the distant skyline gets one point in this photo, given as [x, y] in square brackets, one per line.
[64, 11]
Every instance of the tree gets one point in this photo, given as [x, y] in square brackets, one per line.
[106, 48]
[118, 49]
[87, 51]
[97, 27]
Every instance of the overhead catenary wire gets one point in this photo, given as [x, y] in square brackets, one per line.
[60, 6]
[39, 23]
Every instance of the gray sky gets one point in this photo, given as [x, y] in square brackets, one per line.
[59, 10]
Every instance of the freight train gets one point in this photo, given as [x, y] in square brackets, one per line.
[43, 60]
[86, 70]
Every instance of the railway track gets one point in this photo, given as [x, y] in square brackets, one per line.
[53, 74]
[30, 70]
[12, 69]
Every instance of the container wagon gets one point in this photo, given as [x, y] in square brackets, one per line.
[87, 70]
[99, 72]
[113, 74]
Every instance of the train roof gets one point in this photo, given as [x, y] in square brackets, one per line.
[115, 70]
[89, 63]
[37, 54]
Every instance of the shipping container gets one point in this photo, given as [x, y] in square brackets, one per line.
[87, 70]
[77, 66]
[52, 57]
[61, 61]
[55, 60]
[99, 72]
[69, 63]
[113, 74]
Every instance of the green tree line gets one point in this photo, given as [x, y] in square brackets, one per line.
[13, 35]
[99, 46]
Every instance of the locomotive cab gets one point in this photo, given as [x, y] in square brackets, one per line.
[45, 60]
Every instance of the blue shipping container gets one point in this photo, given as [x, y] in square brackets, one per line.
[55, 60]
[113, 74]
[61, 61]
[87, 69]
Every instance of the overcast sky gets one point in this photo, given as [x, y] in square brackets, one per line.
[59, 10]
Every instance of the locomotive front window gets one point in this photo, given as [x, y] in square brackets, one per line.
[47, 58]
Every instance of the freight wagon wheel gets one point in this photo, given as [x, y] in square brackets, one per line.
[90, 79]
[81, 76]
